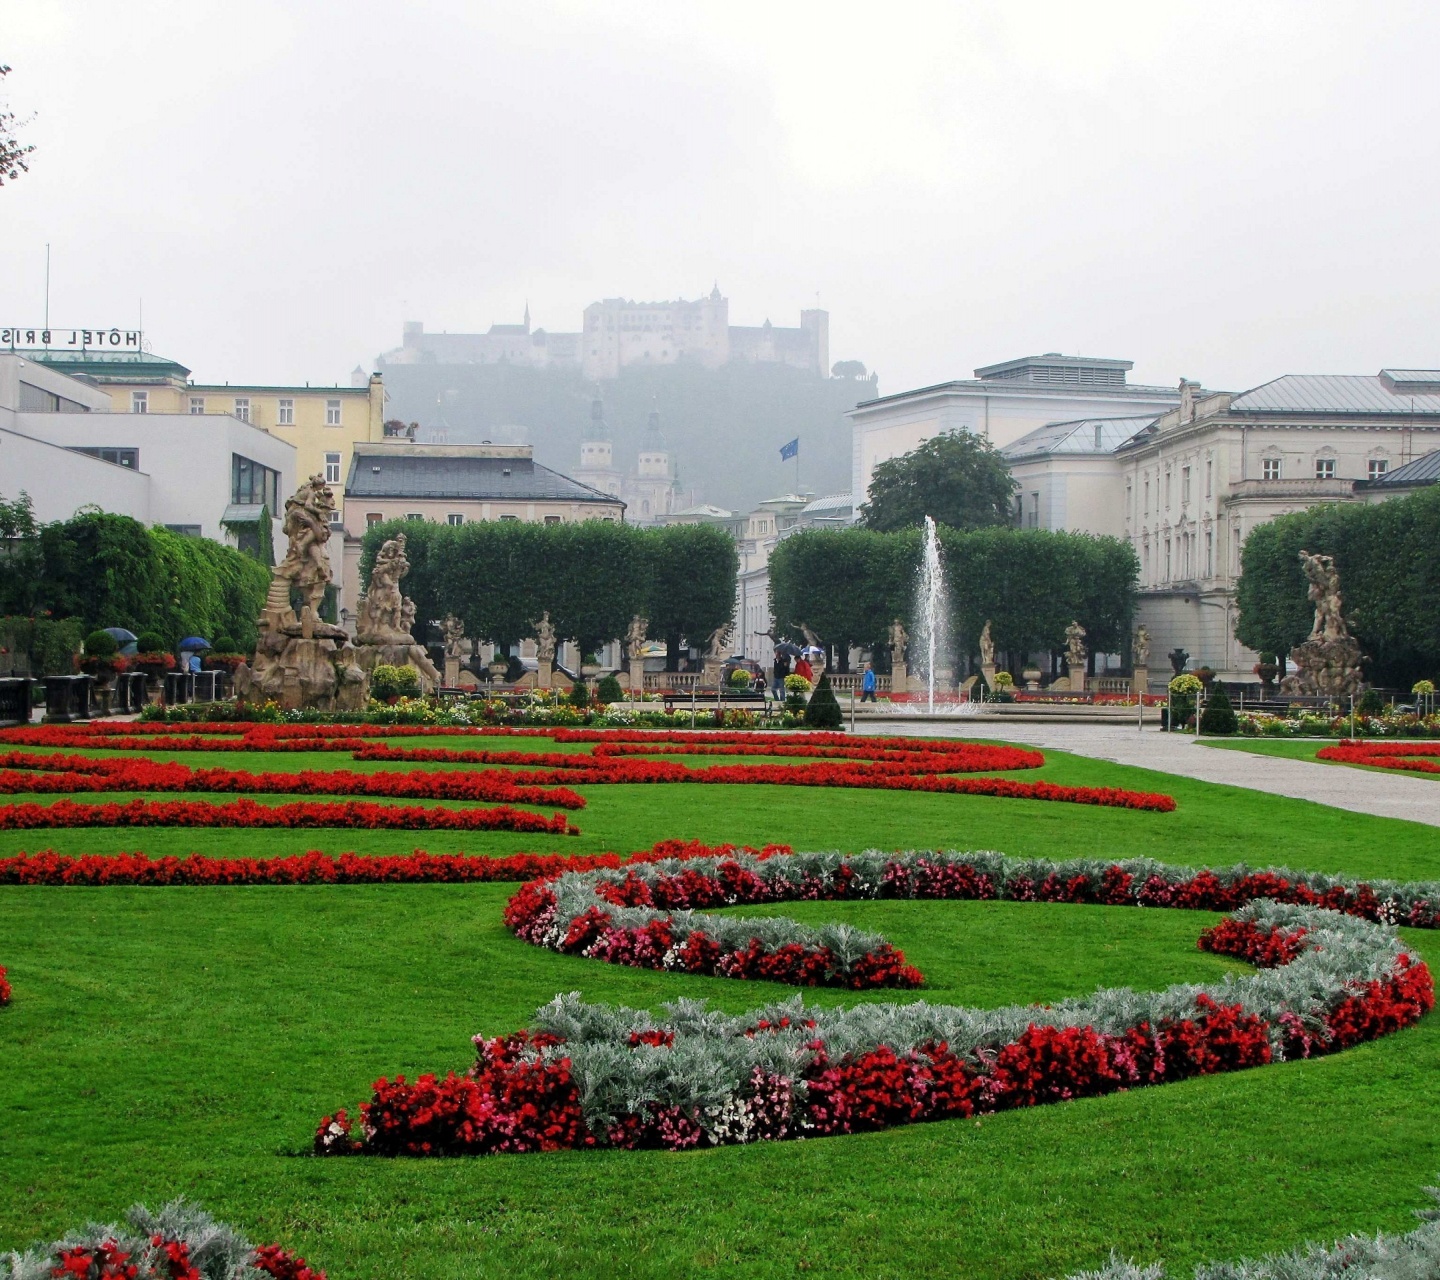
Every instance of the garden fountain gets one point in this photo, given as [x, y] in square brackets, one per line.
[932, 612]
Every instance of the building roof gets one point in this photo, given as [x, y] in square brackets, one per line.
[1025, 387]
[833, 505]
[704, 511]
[1333, 393]
[1057, 370]
[1080, 435]
[1424, 470]
[115, 366]
[453, 471]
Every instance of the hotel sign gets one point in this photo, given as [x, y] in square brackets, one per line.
[36, 337]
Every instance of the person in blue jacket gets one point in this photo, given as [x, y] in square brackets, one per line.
[867, 684]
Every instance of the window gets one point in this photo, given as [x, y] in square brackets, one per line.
[120, 457]
[332, 413]
[37, 400]
[253, 482]
[1146, 559]
[1270, 468]
[285, 414]
[1209, 553]
[509, 517]
[1167, 559]
[1167, 489]
[335, 518]
[1034, 510]
[1129, 498]
[414, 515]
[1147, 495]
[1376, 468]
[373, 518]
[552, 519]
[455, 518]
[332, 466]
[1184, 484]
[242, 408]
[1324, 468]
[139, 402]
[197, 404]
[1209, 477]
[185, 530]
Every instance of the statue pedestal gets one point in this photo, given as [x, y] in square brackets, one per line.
[544, 673]
[710, 673]
[452, 670]
[1077, 680]
[899, 678]
[1140, 681]
[987, 669]
[636, 675]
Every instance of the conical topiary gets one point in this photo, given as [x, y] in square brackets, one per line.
[823, 709]
[1218, 716]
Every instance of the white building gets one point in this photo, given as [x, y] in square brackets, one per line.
[1002, 403]
[1186, 487]
[206, 475]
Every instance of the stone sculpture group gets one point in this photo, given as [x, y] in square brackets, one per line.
[1328, 662]
[302, 661]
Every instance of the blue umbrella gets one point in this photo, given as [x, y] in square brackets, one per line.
[195, 642]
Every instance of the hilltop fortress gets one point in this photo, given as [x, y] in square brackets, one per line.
[618, 333]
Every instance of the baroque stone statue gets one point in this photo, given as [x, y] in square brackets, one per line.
[1075, 651]
[1328, 662]
[987, 646]
[1140, 648]
[302, 661]
[635, 638]
[382, 607]
[720, 642]
[453, 632]
[545, 638]
[898, 638]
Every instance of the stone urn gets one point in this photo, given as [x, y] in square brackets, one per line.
[1031, 676]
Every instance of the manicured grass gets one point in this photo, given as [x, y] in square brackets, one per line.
[186, 1040]
[1304, 749]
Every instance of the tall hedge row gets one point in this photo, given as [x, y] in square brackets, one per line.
[847, 585]
[498, 577]
[111, 571]
[1389, 569]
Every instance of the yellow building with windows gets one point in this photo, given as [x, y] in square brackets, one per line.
[323, 423]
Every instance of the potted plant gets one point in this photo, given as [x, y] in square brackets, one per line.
[1031, 676]
[1183, 691]
[1205, 675]
[101, 659]
[797, 692]
[1267, 669]
[389, 684]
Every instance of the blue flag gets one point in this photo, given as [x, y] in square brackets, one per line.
[790, 450]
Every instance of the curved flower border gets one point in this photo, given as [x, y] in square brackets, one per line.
[594, 1075]
[651, 916]
[1409, 756]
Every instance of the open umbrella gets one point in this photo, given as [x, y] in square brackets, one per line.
[788, 649]
[125, 639]
[195, 643]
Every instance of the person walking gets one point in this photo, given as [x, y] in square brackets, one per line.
[867, 684]
[782, 669]
[803, 668]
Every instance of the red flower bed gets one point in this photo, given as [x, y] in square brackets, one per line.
[893, 764]
[22, 771]
[247, 813]
[523, 1094]
[5, 992]
[418, 867]
[1385, 755]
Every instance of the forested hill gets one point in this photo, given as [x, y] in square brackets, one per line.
[724, 426]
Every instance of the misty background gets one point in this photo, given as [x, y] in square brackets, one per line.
[1227, 192]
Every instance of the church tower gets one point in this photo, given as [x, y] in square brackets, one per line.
[597, 456]
[653, 484]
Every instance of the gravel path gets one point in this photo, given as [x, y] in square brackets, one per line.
[1360, 790]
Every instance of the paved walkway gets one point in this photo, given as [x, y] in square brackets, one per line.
[1386, 795]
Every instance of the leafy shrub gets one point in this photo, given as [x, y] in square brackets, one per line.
[609, 690]
[1218, 716]
[394, 682]
[151, 642]
[823, 710]
[1371, 703]
[101, 644]
[580, 695]
[225, 644]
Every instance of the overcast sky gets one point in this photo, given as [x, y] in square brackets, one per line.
[1222, 191]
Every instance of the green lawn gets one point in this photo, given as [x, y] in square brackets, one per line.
[186, 1040]
[1301, 749]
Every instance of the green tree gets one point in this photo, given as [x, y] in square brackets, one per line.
[12, 150]
[692, 570]
[957, 478]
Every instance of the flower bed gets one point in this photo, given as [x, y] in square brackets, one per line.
[1409, 756]
[892, 764]
[23, 771]
[5, 992]
[650, 916]
[181, 1242]
[593, 1075]
[248, 813]
[418, 867]
[1309, 725]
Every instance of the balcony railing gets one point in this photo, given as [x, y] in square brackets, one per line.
[1287, 490]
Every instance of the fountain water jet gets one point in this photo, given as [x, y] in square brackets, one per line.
[932, 612]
